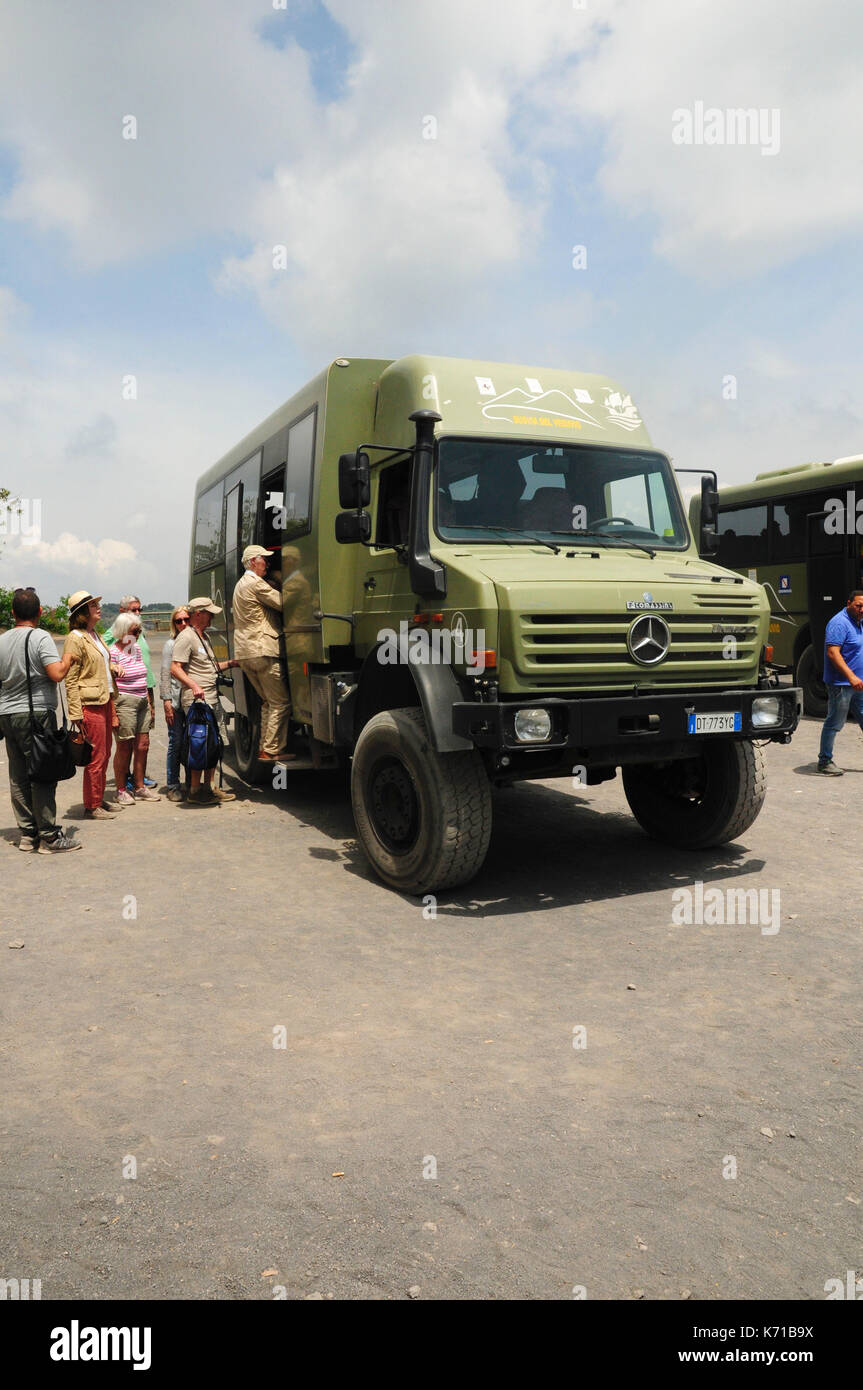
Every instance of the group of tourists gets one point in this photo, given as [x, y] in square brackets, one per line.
[110, 693]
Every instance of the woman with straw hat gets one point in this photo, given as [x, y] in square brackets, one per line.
[90, 687]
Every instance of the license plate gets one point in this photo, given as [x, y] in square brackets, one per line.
[715, 723]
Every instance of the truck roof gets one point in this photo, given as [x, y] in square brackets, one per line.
[477, 397]
[801, 477]
[473, 397]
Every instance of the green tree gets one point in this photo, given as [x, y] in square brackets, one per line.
[8, 503]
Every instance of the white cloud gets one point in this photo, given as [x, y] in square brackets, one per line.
[113, 482]
[232, 142]
[725, 211]
[69, 552]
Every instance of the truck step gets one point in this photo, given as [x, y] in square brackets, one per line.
[305, 764]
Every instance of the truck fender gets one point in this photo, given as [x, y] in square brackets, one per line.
[393, 687]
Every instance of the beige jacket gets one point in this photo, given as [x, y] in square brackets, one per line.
[257, 610]
[86, 680]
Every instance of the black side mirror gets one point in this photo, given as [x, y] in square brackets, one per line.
[354, 485]
[709, 501]
[709, 539]
[353, 527]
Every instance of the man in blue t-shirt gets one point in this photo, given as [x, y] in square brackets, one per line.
[843, 676]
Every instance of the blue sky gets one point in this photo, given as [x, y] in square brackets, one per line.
[304, 126]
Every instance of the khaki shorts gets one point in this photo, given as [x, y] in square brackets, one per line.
[133, 711]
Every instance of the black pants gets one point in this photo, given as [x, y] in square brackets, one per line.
[34, 803]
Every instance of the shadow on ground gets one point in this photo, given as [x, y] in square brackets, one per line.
[577, 854]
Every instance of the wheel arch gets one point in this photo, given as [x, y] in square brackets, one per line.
[801, 642]
[432, 688]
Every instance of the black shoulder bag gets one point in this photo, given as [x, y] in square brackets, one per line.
[50, 758]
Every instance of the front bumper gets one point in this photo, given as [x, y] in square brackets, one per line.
[621, 729]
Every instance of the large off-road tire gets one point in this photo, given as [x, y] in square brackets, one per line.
[699, 802]
[246, 739]
[423, 818]
[808, 676]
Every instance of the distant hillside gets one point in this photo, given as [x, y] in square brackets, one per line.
[110, 610]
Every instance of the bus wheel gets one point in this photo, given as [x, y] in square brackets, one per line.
[423, 818]
[247, 740]
[808, 677]
[701, 801]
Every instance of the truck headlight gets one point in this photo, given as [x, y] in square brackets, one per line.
[766, 710]
[532, 725]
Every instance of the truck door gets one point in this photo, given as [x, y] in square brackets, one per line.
[386, 595]
[233, 512]
[832, 571]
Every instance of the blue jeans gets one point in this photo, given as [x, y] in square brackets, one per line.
[840, 699]
[175, 747]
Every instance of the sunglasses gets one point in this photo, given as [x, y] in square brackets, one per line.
[177, 621]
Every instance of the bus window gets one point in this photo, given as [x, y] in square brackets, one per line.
[208, 527]
[272, 509]
[742, 537]
[298, 488]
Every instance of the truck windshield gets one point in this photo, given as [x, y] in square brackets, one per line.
[506, 493]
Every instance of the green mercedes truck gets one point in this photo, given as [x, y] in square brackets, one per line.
[487, 576]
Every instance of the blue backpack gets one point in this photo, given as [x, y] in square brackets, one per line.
[202, 742]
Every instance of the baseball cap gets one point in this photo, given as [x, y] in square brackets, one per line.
[255, 552]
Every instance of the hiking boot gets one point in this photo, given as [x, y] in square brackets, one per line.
[221, 795]
[146, 794]
[830, 769]
[99, 813]
[28, 845]
[202, 797]
[59, 844]
[175, 794]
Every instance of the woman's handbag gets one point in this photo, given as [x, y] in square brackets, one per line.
[50, 758]
[82, 748]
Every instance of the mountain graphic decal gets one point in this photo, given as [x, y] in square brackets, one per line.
[558, 403]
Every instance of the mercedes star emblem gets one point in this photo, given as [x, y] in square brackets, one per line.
[648, 640]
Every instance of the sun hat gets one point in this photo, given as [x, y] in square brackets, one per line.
[80, 598]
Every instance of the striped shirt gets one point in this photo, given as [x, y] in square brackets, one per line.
[132, 679]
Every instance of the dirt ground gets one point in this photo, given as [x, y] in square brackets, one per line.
[237, 1066]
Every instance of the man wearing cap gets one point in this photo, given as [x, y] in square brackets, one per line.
[195, 666]
[257, 610]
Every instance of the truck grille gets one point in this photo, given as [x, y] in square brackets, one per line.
[590, 648]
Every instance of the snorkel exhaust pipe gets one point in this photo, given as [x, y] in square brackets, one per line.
[428, 577]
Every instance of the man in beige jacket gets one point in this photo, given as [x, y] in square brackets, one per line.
[257, 611]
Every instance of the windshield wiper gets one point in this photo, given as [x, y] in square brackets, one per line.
[608, 539]
[506, 531]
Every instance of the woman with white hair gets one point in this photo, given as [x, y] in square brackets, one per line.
[133, 711]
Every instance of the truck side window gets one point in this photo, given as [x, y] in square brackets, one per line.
[394, 497]
[272, 509]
